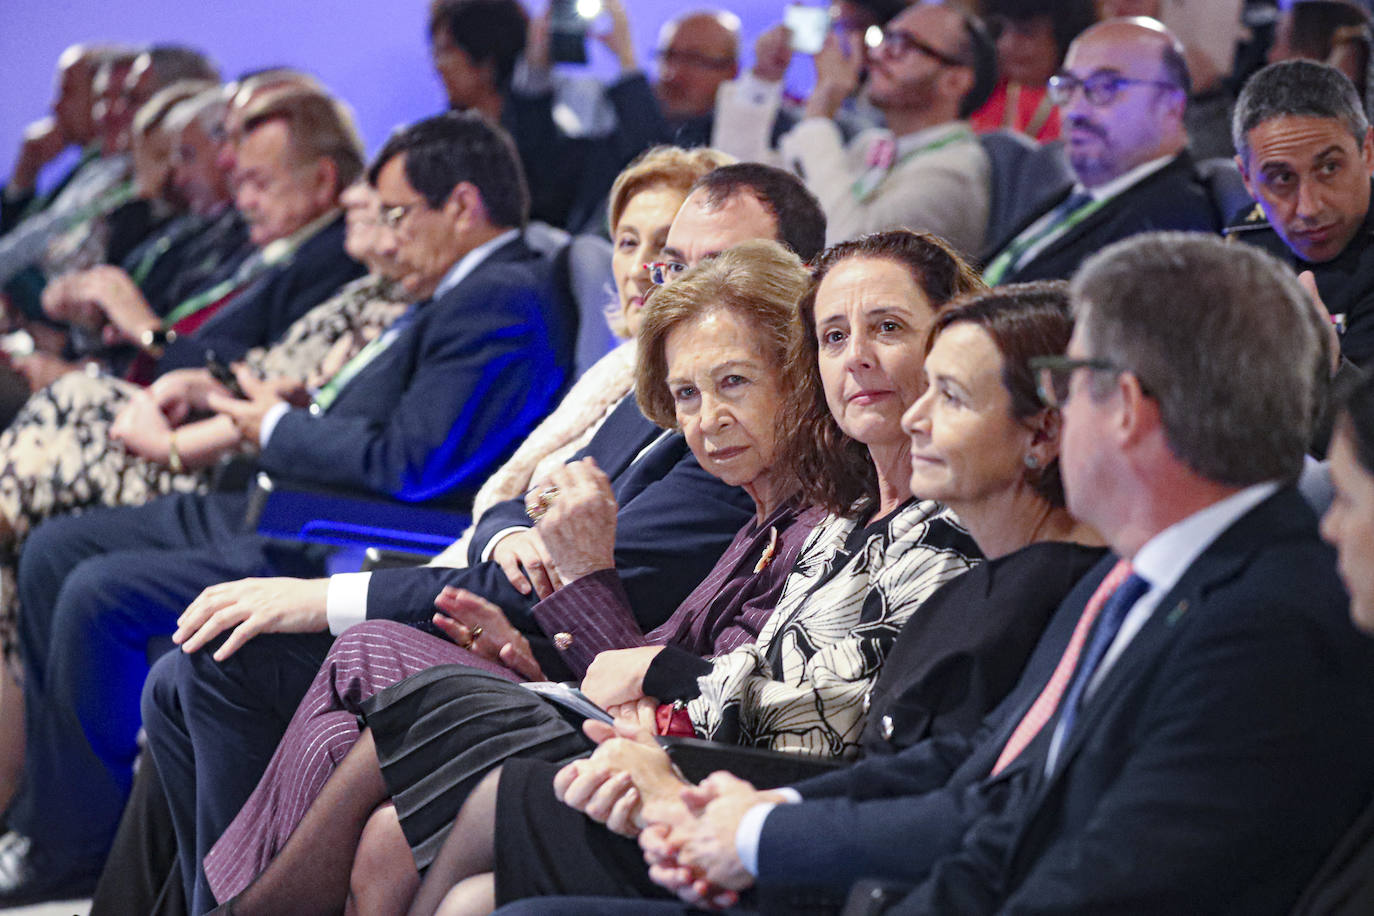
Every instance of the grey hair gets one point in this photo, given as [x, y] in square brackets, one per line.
[155, 112]
[1220, 336]
[1301, 88]
[205, 109]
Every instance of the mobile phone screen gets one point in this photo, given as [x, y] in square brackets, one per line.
[567, 33]
[808, 24]
[224, 375]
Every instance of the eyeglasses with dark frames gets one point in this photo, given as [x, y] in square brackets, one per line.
[900, 43]
[1053, 373]
[1100, 87]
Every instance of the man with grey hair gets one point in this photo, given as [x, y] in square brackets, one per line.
[1204, 737]
[1306, 152]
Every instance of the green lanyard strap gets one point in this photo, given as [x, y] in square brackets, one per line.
[329, 393]
[1010, 257]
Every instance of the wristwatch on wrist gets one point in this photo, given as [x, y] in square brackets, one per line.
[155, 340]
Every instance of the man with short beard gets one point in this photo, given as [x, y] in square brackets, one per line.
[1122, 94]
[926, 170]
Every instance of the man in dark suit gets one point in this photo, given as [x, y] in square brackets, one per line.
[214, 720]
[70, 123]
[1122, 94]
[1306, 151]
[423, 414]
[1209, 735]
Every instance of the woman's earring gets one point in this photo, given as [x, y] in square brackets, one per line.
[1032, 462]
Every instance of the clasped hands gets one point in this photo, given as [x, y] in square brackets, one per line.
[687, 832]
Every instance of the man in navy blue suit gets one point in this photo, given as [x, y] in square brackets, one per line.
[214, 720]
[424, 413]
[1210, 736]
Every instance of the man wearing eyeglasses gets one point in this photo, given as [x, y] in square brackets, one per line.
[1122, 95]
[934, 66]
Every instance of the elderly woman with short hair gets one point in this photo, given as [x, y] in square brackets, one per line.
[712, 364]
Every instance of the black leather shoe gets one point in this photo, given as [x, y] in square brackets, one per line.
[27, 876]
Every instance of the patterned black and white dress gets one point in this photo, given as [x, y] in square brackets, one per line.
[803, 686]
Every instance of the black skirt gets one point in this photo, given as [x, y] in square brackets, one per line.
[544, 848]
[439, 732]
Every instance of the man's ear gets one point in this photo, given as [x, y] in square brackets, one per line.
[1139, 413]
[1367, 150]
[326, 176]
[464, 206]
[958, 81]
[1244, 170]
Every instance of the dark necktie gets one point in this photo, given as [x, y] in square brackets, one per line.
[1108, 626]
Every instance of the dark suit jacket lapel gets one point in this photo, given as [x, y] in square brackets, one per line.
[624, 434]
[1050, 201]
[1276, 517]
[1124, 200]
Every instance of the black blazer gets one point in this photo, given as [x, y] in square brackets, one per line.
[1172, 198]
[1218, 760]
[1344, 886]
[899, 813]
[675, 521]
[959, 657]
[262, 313]
[208, 253]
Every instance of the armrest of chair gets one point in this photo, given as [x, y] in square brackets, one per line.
[698, 759]
[296, 511]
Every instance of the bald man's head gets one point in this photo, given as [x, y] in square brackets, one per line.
[696, 53]
[1135, 71]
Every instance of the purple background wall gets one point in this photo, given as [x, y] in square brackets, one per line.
[373, 54]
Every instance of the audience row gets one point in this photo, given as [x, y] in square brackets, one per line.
[930, 535]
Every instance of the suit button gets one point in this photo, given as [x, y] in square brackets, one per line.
[316, 410]
[562, 641]
[888, 728]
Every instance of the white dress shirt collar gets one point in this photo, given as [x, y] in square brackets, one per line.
[1122, 182]
[468, 262]
[1166, 556]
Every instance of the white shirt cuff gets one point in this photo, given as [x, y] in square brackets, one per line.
[495, 539]
[270, 421]
[750, 830]
[345, 602]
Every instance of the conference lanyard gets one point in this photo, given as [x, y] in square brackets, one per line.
[1010, 258]
[273, 254]
[329, 393]
[163, 245]
[869, 182]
